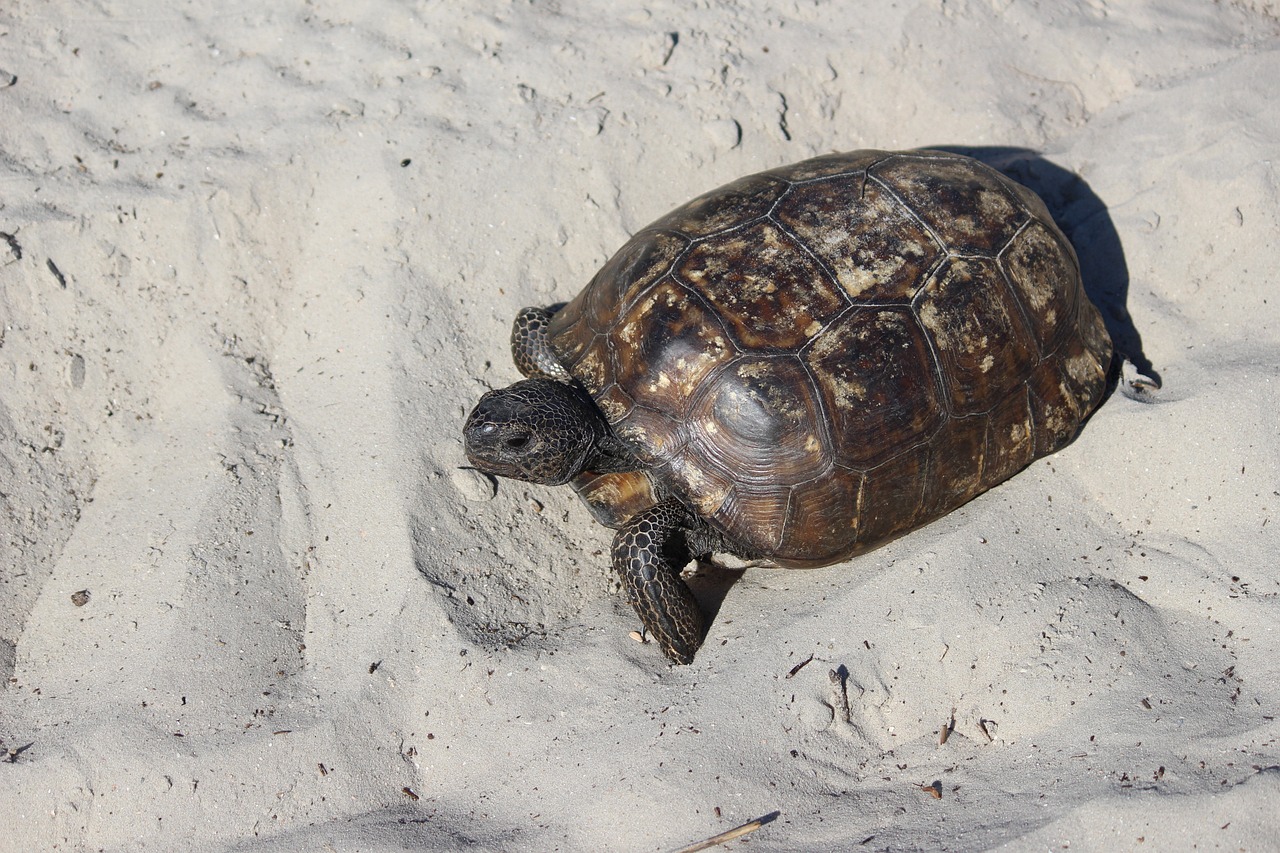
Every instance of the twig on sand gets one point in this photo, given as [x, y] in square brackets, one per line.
[947, 728]
[736, 832]
[800, 666]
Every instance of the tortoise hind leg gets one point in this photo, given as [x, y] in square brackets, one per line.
[531, 349]
[664, 603]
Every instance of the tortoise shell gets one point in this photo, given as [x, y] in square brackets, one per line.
[823, 356]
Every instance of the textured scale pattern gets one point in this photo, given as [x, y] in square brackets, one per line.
[528, 335]
[823, 356]
[664, 603]
[531, 431]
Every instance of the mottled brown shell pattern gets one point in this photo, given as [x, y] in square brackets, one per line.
[823, 356]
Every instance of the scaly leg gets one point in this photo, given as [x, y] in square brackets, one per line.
[664, 603]
[531, 349]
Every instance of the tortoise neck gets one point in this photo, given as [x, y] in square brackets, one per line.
[612, 456]
[608, 454]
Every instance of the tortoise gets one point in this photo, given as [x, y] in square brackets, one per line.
[799, 366]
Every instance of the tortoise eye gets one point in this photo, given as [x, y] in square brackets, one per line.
[518, 442]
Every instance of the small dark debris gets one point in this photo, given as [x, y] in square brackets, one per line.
[15, 250]
[800, 666]
[947, 728]
[57, 273]
[672, 40]
[80, 598]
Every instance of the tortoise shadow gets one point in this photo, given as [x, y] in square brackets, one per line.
[710, 583]
[1083, 217]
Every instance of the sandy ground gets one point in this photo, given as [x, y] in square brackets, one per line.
[257, 265]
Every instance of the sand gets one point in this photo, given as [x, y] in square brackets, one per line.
[261, 258]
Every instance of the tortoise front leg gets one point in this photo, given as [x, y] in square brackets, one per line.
[664, 603]
[531, 349]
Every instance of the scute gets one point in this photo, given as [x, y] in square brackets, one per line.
[770, 293]
[757, 517]
[828, 165]
[964, 202]
[875, 248]
[820, 526]
[672, 341]
[1010, 444]
[635, 267]
[893, 495]
[728, 207]
[978, 333]
[877, 378]
[758, 421]
[656, 436]
[691, 473]
[823, 356]
[957, 453]
[1032, 262]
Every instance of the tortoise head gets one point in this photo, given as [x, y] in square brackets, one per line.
[537, 430]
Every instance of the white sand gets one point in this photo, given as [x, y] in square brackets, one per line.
[292, 243]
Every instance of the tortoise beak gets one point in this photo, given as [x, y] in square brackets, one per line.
[493, 441]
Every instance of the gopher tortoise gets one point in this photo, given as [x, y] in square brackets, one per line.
[800, 366]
